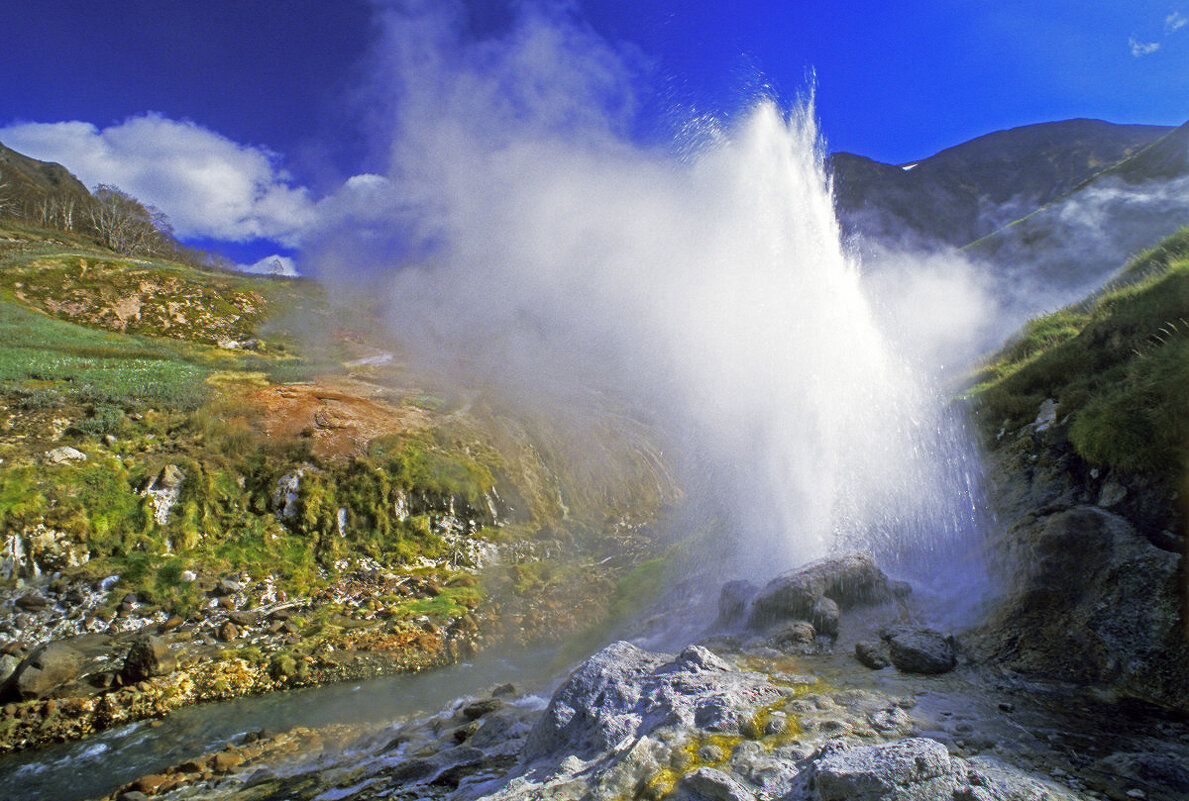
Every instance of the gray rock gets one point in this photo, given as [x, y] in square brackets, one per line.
[42, 672]
[1089, 599]
[1167, 772]
[915, 769]
[711, 784]
[170, 476]
[922, 650]
[8, 665]
[990, 779]
[148, 657]
[851, 580]
[796, 632]
[872, 654]
[622, 693]
[825, 617]
[733, 599]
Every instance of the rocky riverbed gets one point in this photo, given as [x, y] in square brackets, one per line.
[764, 706]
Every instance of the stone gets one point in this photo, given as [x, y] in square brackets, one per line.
[8, 666]
[148, 657]
[850, 580]
[733, 599]
[825, 617]
[32, 602]
[872, 654]
[170, 476]
[623, 693]
[225, 761]
[43, 671]
[228, 631]
[793, 633]
[990, 779]
[477, 709]
[913, 769]
[65, 455]
[711, 784]
[150, 784]
[922, 650]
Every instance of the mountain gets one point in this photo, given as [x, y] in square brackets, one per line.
[1077, 240]
[26, 184]
[968, 191]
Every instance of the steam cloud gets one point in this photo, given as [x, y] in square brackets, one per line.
[528, 242]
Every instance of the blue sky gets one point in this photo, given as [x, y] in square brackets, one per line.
[282, 103]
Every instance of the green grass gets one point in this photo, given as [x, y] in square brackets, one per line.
[1117, 366]
[43, 354]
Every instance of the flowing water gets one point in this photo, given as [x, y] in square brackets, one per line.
[98, 765]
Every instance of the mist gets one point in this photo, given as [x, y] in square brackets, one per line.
[525, 241]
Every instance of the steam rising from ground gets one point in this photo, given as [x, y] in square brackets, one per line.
[546, 252]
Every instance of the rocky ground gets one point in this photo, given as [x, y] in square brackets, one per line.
[820, 686]
[72, 667]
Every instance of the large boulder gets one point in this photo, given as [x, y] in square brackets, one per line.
[623, 693]
[850, 580]
[1090, 600]
[42, 672]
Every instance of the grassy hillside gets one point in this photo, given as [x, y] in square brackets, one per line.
[1116, 365]
[141, 366]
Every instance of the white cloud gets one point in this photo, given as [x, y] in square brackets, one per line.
[1139, 49]
[1174, 22]
[209, 185]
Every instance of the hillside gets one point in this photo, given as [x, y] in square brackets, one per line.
[968, 191]
[185, 452]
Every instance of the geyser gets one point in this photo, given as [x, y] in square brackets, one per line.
[707, 281]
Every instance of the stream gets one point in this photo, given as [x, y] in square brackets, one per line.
[101, 763]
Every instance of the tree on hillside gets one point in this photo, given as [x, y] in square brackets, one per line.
[126, 225]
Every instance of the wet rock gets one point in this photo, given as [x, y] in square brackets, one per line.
[850, 580]
[170, 476]
[990, 779]
[623, 692]
[921, 650]
[43, 671]
[825, 617]
[710, 784]
[1167, 772]
[148, 657]
[477, 709]
[794, 633]
[1091, 600]
[872, 654]
[228, 631]
[8, 665]
[132, 795]
[914, 769]
[733, 599]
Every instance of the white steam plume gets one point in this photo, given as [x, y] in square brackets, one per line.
[552, 251]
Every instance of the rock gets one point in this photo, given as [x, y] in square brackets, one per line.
[32, 602]
[921, 650]
[1167, 772]
[914, 769]
[825, 617]
[1046, 415]
[477, 709]
[732, 601]
[850, 580]
[132, 795]
[622, 693]
[8, 665]
[990, 779]
[796, 632]
[148, 657]
[43, 671]
[150, 784]
[872, 654]
[170, 476]
[1089, 599]
[225, 761]
[188, 576]
[65, 455]
[228, 632]
[710, 784]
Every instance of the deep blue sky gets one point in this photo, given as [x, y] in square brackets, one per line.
[896, 81]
